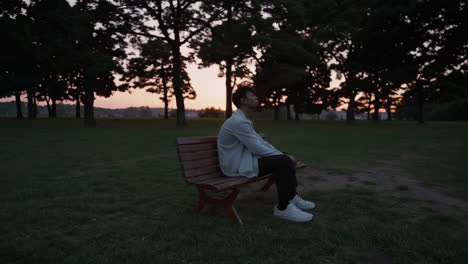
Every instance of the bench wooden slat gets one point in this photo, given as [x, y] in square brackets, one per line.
[194, 180]
[200, 171]
[198, 155]
[197, 147]
[187, 165]
[196, 140]
[230, 184]
[238, 182]
[220, 180]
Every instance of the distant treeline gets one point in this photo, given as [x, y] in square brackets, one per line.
[8, 109]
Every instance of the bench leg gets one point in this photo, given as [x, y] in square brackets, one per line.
[226, 202]
[202, 199]
[269, 183]
[229, 206]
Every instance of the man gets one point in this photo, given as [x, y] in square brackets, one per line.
[242, 152]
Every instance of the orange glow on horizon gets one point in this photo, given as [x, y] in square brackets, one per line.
[210, 90]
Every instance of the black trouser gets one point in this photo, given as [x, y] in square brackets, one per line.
[284, 171]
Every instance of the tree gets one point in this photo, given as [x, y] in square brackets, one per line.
[294, 61]
[16, 53]
[422, 42]
[230, 44]
[152, 71]
[99, 45]
[11, 9]
[371, 51]
[440, 51]
[53, 37]
[281, 70]
[177, 23]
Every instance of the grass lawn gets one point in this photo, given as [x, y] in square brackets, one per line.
[114, 194]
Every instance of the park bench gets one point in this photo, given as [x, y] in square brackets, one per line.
[198, 157]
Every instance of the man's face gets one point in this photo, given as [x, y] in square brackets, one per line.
[250, 100]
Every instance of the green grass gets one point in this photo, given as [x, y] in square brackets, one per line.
[114, 194]
[370, 183]
[402, 188]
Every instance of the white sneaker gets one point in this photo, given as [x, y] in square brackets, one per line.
[302, 204]
[292, 213]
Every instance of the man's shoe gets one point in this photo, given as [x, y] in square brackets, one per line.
[292, 213]
[302, 204]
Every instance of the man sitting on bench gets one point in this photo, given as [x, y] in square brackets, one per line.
[242, 152]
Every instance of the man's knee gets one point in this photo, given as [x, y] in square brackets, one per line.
[285, 160]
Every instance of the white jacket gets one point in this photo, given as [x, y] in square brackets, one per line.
[240, 147]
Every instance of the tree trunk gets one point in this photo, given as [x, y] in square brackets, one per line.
[276, 108]
[30, 97]
[276, 112]
[53, 113]
[52, 92]
[89, 120]
[228, 87]
[350, 110]
[420, 104]
[34, 105]
[19, 111]
[229, 63]
[296, 114]
[165, 91]
[369, 98]
[376, 117]
[166, 110]
[49, 110]
[177, 82]
[77, 110]
[288, 111]
[389, 113]
[166, 100]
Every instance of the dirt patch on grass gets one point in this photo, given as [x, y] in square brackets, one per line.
[392, 182]
[389, 180]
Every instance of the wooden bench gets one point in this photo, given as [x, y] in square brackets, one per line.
[198, 157]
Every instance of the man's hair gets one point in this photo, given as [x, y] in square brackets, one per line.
[241, 92]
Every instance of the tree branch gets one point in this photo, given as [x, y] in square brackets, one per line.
[146, 35]
[254, 56]
[195, 32]
[173, 10]
[185, 4]
[159, 18]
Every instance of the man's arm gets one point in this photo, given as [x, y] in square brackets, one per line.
[245, 133]
[268, 145]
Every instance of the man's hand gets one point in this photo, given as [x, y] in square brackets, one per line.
[294, 160]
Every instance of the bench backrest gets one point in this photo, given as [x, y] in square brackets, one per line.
[198, 158]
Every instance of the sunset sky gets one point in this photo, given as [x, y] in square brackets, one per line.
[210, 90]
